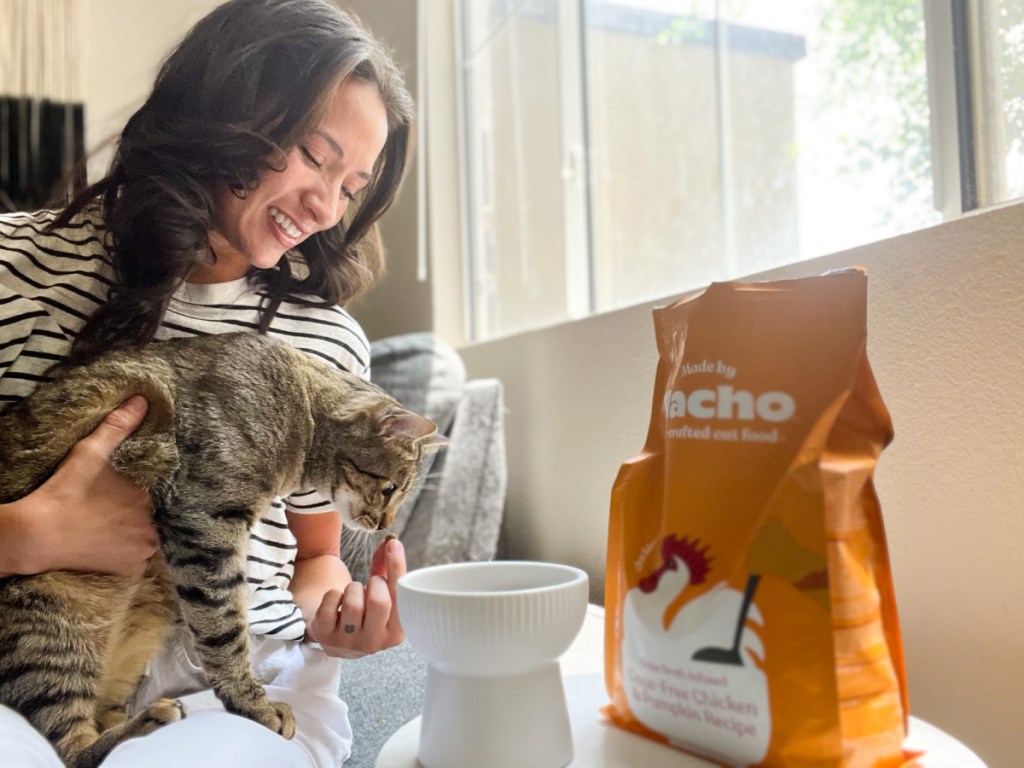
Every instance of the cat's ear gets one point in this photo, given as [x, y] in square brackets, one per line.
[412, 425]
[406, 424]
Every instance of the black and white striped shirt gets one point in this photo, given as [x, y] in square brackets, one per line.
[51, 282]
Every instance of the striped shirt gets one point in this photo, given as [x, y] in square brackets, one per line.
[51, 282]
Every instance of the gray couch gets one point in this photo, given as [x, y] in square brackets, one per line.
[453, 515]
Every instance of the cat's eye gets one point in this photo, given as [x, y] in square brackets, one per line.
[388, 490]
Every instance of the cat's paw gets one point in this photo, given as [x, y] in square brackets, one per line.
[277, 716]
[164, 711]
[158, 714]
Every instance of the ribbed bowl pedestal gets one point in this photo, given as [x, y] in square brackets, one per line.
[509, 721]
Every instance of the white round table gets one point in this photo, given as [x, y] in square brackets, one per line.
[598, 744]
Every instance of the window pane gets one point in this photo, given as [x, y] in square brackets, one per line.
[511, 66]
[662, 144]
[657, 215]
[732, 137]
[1000, 93]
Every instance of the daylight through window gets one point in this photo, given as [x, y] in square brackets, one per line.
[618, 151]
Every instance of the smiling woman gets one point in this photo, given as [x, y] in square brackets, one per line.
[320, 179]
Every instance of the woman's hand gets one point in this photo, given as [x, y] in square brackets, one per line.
[358, 620]
[88, 516]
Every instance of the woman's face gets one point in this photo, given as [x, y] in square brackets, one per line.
[325, 171]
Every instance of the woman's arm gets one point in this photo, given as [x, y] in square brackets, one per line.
[86, 516]
[347, 618]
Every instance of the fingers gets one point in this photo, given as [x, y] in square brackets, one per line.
[351, 615]
[118, 425]
[338, 608]
[325, 621]
[396, 568]
[378, 565]
[377, 618]
[359, 619]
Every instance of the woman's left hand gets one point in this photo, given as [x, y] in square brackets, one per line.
[361, 620]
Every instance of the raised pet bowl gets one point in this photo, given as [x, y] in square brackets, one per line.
[492, 634]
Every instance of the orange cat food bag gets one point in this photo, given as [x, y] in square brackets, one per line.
[749, 601]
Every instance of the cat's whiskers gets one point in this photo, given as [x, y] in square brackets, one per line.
[358, 545]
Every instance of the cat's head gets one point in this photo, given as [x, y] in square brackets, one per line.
[378, 452]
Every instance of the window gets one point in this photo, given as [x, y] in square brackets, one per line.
[618, 151]
[998, 82]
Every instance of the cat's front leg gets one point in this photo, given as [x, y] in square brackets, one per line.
[205, 556]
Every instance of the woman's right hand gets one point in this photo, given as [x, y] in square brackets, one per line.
[88, 516]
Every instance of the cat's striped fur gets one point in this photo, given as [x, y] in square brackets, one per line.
[233, 421]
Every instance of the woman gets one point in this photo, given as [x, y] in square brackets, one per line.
[243, 196]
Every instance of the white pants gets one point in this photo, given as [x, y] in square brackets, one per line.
[296, 673]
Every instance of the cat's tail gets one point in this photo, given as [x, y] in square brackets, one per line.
[39, 431]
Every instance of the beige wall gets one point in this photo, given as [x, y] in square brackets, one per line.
[946, 320]
[394, 22]
[126, 41]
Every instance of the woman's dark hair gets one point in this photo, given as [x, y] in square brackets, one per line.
[243, 87]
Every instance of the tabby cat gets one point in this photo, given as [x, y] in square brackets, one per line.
[234, 421]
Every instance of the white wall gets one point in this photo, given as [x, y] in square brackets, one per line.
[946, 341]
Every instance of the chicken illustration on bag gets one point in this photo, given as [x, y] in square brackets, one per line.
[696, 676]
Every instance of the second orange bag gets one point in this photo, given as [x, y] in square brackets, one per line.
[749, 600]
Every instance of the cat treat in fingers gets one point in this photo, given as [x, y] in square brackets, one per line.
[234, 422]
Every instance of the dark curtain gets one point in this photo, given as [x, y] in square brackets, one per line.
[42, 150]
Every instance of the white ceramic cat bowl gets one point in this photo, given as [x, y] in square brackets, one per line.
[492, 634]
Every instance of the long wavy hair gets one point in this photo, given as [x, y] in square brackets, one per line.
[244, 86]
